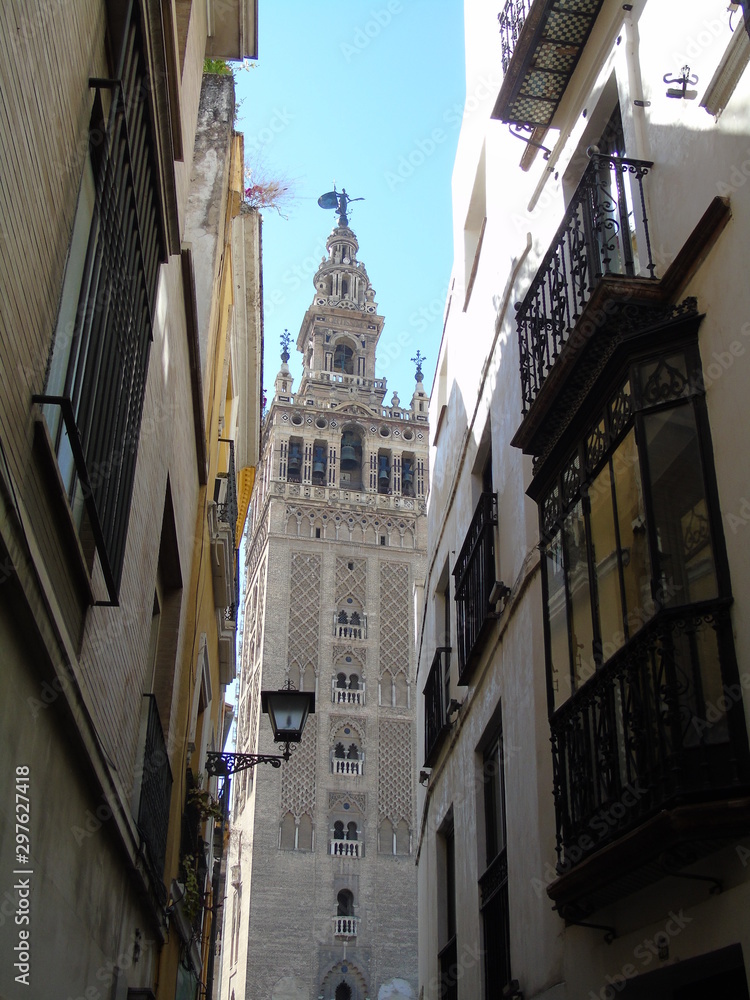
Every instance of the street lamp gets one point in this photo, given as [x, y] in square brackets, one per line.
[287, 711]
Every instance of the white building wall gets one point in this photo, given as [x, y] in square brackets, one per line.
[696, 157]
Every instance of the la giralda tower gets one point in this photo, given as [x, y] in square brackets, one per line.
[321, 878]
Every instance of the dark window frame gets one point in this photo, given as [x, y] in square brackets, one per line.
[596, 722]
[493, 883]
[448, 953]
[436, 693]
[474, 575]
[97, 411]
[569, 485]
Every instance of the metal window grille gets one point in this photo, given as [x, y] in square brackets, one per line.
[475, 578]
[436, 699]
[102, 400]
[156, 792]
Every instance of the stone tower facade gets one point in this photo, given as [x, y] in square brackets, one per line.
[321, 898]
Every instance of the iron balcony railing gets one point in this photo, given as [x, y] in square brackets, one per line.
[436, 700]
[156, 792]
[604, 232]
[511, 21]
[661, 720]
[475, 578]
[226, 497]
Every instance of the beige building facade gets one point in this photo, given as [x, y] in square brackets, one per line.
[321, 887]
[119, 410]
[584, 645]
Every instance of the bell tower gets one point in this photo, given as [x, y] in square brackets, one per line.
[339, 334]
[336, 549]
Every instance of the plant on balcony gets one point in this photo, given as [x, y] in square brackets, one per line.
[193, 898]
[203, 801]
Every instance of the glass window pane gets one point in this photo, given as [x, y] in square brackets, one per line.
[557, 617]
[686, 571]
[664, 379]
[579, 590]
[494, 800]
[604, 544]
[631, 519]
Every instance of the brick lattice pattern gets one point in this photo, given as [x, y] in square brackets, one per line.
[394, 618]
[395, 769]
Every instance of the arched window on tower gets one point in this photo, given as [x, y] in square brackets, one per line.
[343, 359]
[343, 991]
[345, 904]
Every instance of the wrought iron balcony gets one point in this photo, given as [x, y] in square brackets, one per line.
[475, 578]
[542, 41]
[604, 232]
[660, 724]
[156, 792]
[436, 701]
[226, 490]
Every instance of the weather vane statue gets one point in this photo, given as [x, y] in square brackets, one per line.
[285, 338]
[418, 361]
[338, 200]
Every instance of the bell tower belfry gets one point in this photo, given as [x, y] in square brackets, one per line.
[339, 334]
[336, 551]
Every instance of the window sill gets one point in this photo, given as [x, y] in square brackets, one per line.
[70, 538]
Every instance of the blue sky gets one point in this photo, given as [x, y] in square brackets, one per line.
[369, 96]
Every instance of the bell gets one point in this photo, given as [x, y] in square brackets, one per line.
[383, 471]
[295, 458]
[407, 475]
[349, 452]
[319, 463]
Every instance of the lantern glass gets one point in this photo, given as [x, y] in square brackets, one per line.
[287, 711]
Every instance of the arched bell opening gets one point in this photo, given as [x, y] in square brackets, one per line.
[351, 459]
[319, 463]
